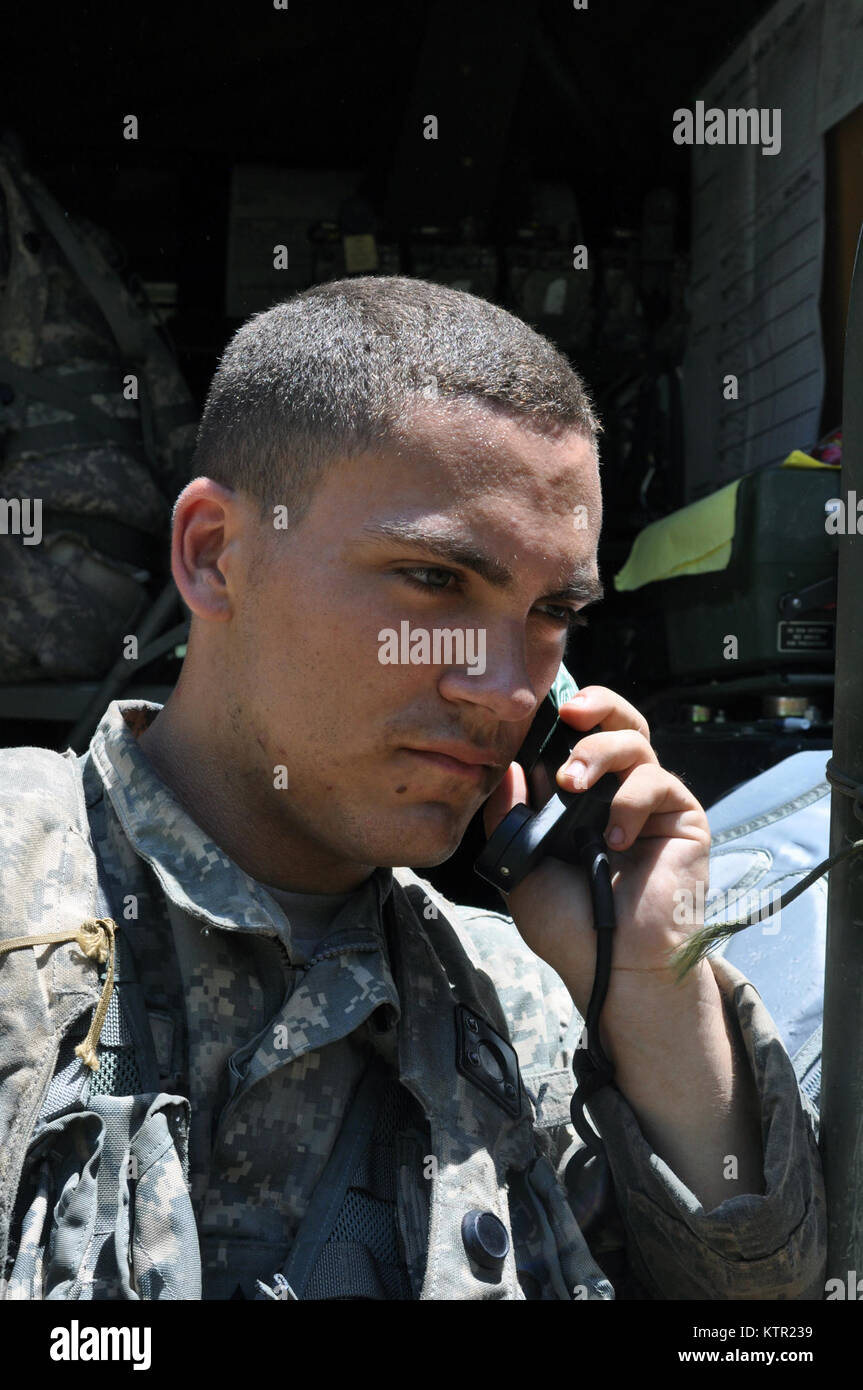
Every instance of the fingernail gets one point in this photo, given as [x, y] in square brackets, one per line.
[576, 774]
[616, 835]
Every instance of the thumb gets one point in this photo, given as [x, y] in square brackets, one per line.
[512, 791]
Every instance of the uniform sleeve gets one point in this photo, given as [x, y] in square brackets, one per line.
[768, 1246]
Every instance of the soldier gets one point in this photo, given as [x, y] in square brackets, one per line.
[289, 1008]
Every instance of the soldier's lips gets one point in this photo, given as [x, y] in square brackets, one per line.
[472, 772]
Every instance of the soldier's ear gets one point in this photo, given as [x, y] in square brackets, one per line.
[206, 524]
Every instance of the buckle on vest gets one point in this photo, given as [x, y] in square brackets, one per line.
[281, 1290]
[487, 1060]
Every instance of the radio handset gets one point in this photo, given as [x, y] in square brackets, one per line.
[566, 821]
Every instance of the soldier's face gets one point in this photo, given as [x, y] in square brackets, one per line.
[397, 641]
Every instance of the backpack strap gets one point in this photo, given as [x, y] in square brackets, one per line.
[25, 295]
[52, 390]
[130, 331]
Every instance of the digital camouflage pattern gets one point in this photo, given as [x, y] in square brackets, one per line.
[266, 1047]
[118, 1170]
[57, 621]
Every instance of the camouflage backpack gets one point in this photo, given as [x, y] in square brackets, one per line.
[96, 424]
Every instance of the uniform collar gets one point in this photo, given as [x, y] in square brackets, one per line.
[195, 873]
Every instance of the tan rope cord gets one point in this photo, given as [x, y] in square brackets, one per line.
[96, 939]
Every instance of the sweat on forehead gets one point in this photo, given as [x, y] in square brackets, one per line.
[476, 417]
[476, 444]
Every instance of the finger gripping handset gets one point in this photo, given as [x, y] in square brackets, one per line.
[565, 827]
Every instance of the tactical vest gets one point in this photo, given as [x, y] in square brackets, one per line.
[92, 1155]
[105, 455]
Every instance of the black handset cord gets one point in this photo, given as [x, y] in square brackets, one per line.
[594, 860]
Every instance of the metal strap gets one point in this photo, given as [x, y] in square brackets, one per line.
[841, 782]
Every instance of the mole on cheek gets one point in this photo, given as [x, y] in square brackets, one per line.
[399, 790]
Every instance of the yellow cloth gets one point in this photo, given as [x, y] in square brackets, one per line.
[797, 459]
[694, 540]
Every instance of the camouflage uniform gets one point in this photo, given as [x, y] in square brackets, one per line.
[105, 468]
[257, 1054]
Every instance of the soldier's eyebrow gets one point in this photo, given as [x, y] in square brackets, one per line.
[583, 585]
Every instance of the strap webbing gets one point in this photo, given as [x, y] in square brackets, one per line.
[329, 1194]
[51, 389]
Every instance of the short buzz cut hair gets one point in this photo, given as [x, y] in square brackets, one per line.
[335, 370]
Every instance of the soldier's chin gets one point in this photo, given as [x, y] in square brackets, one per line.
[428, 840]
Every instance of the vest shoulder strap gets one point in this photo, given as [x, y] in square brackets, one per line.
[329, 1194]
